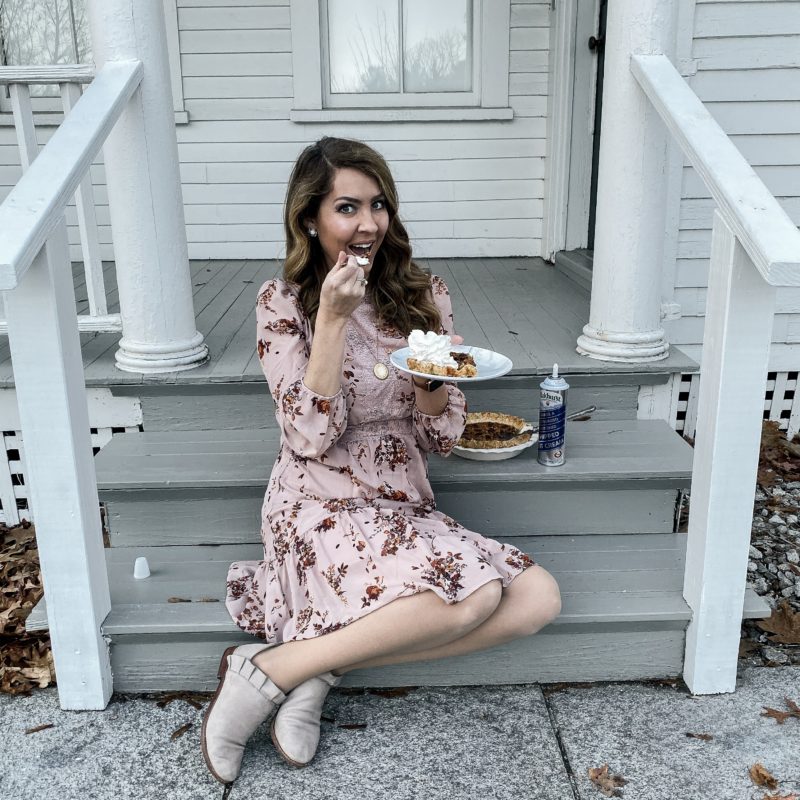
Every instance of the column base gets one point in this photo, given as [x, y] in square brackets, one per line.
[156, 358]
[623, 347]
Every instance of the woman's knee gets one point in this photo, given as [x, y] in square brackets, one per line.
[538, 602]
[478, 606]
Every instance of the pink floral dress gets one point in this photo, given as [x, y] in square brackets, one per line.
[349, 521]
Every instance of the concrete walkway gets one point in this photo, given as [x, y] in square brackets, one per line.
[514, 742]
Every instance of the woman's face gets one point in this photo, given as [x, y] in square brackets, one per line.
[352, 217]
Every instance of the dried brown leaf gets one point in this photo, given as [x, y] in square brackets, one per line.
[178, 600]
[40, 728]
[706, 737]
[399, 691]
[761, 776]
[783, 623]
[176, 734]
[605, 781]
[781, 716]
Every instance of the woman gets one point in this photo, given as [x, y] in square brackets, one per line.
[360, 568]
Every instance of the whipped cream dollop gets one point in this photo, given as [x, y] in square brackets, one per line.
[431, 347]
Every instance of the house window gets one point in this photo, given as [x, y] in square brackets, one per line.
[399, 53]
[36, 32]
[400, 59]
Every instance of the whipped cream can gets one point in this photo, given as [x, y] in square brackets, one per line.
[552, 419]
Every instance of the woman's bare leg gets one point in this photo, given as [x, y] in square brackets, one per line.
[419, 622]
[529, 602]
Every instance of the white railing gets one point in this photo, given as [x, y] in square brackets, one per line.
[755, 247]
[36, 277]
[69, 79]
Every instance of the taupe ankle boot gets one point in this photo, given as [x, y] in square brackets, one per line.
[244, 698]
[295, 729]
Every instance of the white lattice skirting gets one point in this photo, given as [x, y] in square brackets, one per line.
[781, 403]
[14, 504]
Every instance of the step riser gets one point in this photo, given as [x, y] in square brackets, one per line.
[600, 653]
[244, 406]
[233, 516]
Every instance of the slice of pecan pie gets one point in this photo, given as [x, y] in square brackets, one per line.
[487, 430]
[465, 366]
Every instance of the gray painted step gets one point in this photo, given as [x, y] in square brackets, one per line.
[233, 406]
[621, 595]
[206, 487]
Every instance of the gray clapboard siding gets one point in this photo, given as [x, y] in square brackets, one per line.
[748, 74]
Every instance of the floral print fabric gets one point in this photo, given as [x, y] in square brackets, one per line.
[349, 521]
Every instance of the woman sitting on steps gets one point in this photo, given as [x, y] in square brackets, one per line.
[360, 569]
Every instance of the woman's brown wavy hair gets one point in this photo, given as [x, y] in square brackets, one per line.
[400, 291]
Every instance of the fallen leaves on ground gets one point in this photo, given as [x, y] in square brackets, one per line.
[706, 737]
[761, 776]
[40, 728]
[779, 458]
[792, 796]
[26, 662]
[194, 699]
[783, 623]
[606, 782]
[176, 734]
[20, 582]
[398, 691]
[781, 716]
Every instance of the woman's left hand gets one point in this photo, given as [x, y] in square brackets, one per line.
[456, 339]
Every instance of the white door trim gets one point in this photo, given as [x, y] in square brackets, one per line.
[568, 32]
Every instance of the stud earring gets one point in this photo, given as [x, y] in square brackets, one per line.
[312, 232]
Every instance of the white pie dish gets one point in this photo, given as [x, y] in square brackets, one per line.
[496, 453]
[488, 363]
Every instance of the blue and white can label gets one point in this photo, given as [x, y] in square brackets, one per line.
[552, 420]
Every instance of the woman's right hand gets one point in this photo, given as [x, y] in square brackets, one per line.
[343, 288]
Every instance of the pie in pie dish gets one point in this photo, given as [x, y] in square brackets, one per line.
[488, 430]
[465, 366]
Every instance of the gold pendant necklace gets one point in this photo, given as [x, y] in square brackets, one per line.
[381, 371]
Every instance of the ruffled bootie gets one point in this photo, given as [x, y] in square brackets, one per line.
[244, 698]
[295, 729]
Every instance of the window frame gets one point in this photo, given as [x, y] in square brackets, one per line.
[47, 110]
[489, 100]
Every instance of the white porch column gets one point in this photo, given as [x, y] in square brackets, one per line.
[144, 191]
[625, 314]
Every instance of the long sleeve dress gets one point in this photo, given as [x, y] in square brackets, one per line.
[349, 521]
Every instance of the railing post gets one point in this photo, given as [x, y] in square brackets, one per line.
[738, 330]
[51, 395]
[145, 202]
[625, 313]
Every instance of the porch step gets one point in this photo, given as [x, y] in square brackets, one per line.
[207, 487]
[623, 617]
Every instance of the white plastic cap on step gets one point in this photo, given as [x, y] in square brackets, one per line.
[141, 569]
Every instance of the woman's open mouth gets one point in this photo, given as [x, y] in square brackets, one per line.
[362, 252]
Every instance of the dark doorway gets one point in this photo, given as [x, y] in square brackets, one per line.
[598, 44]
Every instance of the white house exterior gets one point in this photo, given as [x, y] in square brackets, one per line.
[472, 181]
[498, 169]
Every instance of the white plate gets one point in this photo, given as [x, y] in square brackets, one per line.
[488, 363]
[496, 453]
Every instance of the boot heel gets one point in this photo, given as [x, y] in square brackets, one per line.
[223, 664]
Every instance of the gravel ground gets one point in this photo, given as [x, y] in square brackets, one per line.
[774, 567]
